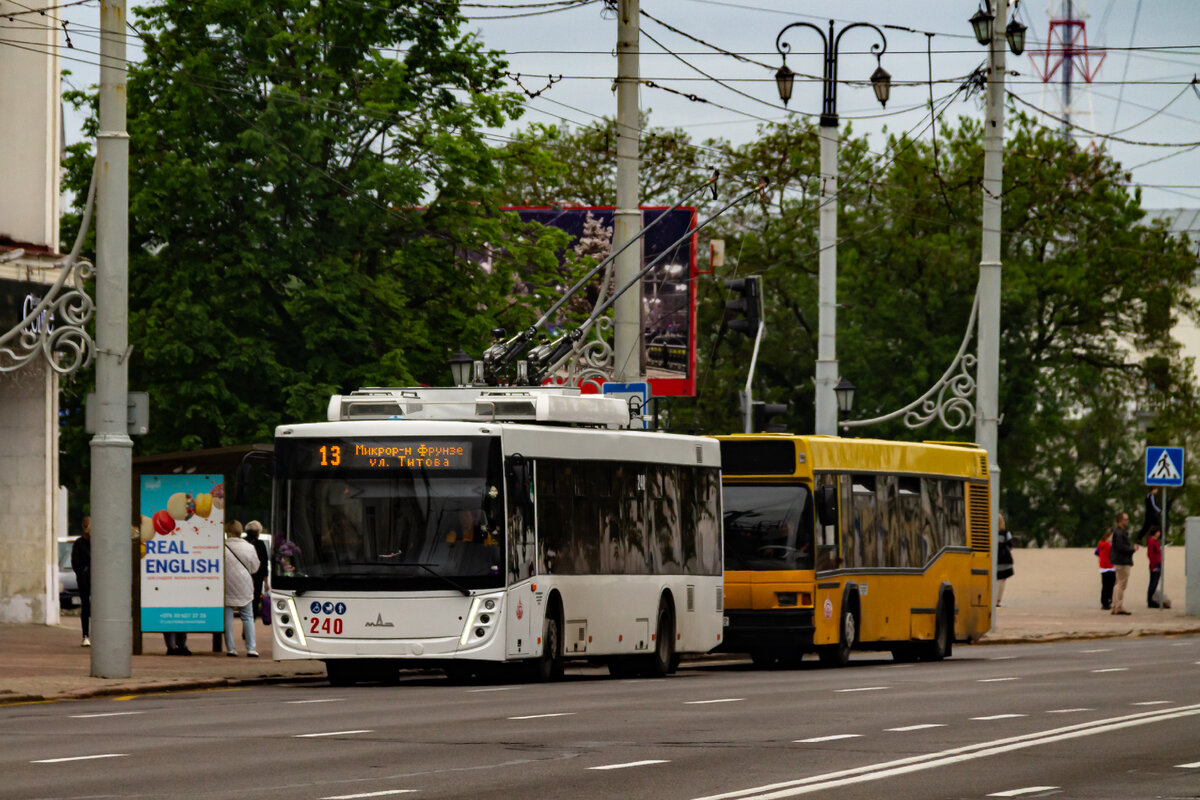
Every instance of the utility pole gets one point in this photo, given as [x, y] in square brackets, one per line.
[627, 312]
[111, 446]
[988, 371]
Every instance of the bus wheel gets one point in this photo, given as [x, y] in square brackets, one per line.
[939, 647]
[658, 664]
[549, 667]
[341, 673]
[838, 655]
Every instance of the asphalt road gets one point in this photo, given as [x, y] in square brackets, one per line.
[1102, 719]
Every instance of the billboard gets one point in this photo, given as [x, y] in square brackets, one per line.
[668, 291]
[182, 565]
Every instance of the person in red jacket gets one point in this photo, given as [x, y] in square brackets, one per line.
[1108, 576]
[1154, 556]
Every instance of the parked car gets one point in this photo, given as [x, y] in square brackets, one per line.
[68, 586]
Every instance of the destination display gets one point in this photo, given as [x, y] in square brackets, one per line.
[348, 454]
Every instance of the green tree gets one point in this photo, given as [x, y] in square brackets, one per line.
[312, 209]
[1084, 332]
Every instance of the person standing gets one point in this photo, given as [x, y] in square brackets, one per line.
[1153, 517]
[255, 538]
[1004, 558]
[81, 562]
[240, 564]
[1122, 560]
[1108, 577]
[1154, 556]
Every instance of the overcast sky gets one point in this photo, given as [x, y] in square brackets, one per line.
[1142, 95]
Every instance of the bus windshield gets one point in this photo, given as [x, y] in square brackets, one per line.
[768, 527]
[395, 524]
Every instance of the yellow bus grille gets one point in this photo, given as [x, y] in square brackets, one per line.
[978, 510]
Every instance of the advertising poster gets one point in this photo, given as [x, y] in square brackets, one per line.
[668, 291]
[183, 540]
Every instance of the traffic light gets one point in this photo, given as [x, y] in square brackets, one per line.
[749, 305]
[764, 412]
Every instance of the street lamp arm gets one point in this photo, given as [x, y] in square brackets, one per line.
[877, 49]
[784, 48]
[961, 386]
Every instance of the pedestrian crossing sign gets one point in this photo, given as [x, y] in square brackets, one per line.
[1164, 466]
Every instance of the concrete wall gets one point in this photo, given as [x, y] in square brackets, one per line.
[28, 475]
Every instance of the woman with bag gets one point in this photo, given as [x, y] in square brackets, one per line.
[1004, 558]
[240, 564]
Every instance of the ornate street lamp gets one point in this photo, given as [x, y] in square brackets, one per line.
[460, 368]
[1015, 33]
[845, 395]
[881, 83]
[981, 23]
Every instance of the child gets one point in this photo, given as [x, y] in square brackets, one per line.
[1108, 576]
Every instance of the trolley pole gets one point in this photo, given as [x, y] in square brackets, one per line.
[111, 490]
[627, 312]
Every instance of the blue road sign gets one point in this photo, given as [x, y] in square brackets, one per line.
[1164, 466]
[636, 394]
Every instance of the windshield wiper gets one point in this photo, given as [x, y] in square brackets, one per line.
[319, 581]
[428, 568]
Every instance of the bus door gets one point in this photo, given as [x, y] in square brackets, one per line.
[519, 488]
[828, 596]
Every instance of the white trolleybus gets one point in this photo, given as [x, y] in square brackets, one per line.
[464, 529]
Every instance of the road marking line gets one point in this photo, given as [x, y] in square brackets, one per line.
[864, 689]
[1193, 765]
[77, 758]
[835, 737]
[492, 689]
[705, 702]
[109, 714]
[918, 727]
[1152, 703]
[996, 680]
[319, 700]
[1112, 669]
[1101, 650]
[633, 764]
[1068, 710]
[542, 716]
[368, 794]
[1026, 790]
[1001, 716]
[330, 733]
[904, 766]
[1002, 658]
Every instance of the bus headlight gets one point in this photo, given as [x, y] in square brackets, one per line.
[785, 598]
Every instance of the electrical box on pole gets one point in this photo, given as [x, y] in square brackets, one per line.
[765, 412]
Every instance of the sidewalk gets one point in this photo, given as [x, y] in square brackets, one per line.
[1053, 595]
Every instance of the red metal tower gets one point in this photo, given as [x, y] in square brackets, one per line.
[1067, 49]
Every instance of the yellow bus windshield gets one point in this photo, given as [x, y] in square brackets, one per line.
[768, 527]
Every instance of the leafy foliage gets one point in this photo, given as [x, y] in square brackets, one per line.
[311, 210]
[1085, 284]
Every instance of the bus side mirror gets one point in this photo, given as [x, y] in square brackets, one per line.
[827, 505]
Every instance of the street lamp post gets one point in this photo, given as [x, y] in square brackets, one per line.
[845, 397]
[827, 369]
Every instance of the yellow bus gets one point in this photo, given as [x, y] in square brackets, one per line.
[836, 544]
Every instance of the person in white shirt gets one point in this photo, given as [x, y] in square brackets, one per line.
[241, 562]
